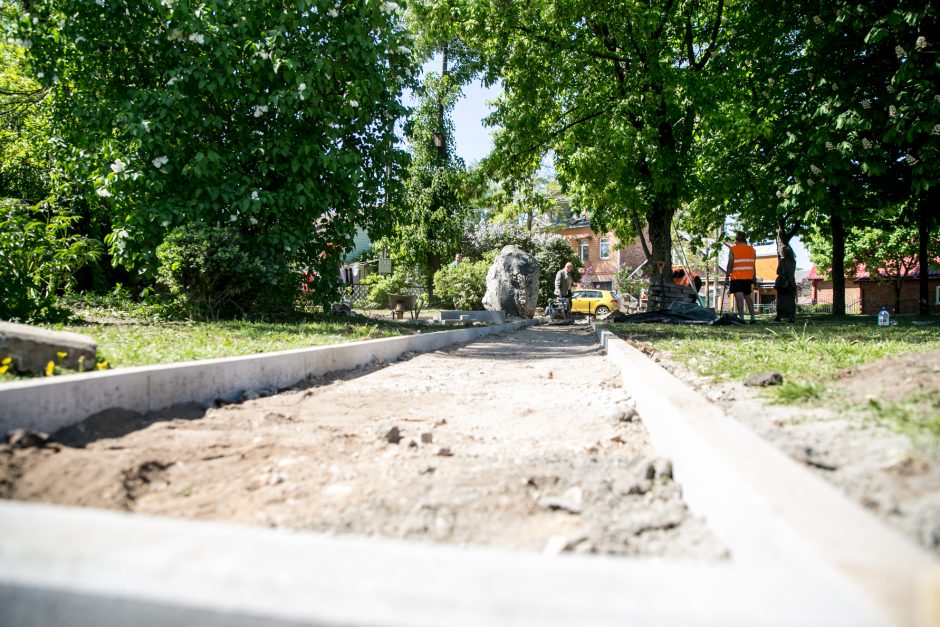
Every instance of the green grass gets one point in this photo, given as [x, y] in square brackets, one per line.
[145, 344]
[808, 355]
[132, 342]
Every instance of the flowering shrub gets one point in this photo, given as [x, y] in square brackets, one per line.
[276, 119]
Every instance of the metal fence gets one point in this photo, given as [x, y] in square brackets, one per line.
[359, 294]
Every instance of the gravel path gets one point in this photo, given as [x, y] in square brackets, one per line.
[524, 440]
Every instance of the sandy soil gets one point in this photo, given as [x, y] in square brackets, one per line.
[524, 440]
[885, 471]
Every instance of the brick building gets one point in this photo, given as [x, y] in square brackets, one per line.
[866, 295]
[599, 252]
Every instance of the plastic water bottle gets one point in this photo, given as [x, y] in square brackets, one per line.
[884, 318]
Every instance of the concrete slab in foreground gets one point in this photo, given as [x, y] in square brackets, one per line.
[50, 404]
[90, 568]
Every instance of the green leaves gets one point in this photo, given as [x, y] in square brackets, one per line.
[207, 103]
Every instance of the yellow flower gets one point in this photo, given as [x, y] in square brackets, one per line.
[6, 361]
[61, 355]
[102, 365]
[50, 368]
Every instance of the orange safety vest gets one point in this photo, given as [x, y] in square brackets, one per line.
[745, 258]
[686, 279]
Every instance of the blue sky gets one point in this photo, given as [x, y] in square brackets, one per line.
[474, 140]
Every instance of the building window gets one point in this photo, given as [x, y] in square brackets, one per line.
[605, 248]
[585, 251]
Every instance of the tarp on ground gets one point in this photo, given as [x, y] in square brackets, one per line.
[678, 313]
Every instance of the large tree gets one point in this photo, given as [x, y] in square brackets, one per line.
[274, 118]
[614, 91]
[430, 215]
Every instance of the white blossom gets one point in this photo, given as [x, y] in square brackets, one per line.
[302, 87]
[175, 34]
[165, 223]
[911, 160]
[890, 89]
[403, 50]
[829, 146]
[892, 111]
[354, 103]
[254, 195]
[815, 170]
[287, 247]
[810, 182]
[232, 217]
[817, 20]
[103, 192]
[921, 43]
[172, 81]
[23, 43]
[253, 220]
[159, 162]
[936, 129]
[333, 13]
[118, 166]
[900, 52]
[835, 87]
[40, 74]
[167, 3]
[99, 2]
[866, 104]
[264, 54]
[770, 82]
[55, 79]
[389, 7]
[199, 38]
[866, 143]
[146, 125]
[779, 194]
[259, 110]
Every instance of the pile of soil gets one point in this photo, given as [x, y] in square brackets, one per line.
[524, 440]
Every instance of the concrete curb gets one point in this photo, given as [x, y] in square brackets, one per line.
[92, 568]
[50, 404]
[763, 505]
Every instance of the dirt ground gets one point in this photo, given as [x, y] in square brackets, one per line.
[525, 440]
[885, 471]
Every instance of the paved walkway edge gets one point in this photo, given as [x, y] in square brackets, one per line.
[93, 568]
[764, 506]
[50, 404]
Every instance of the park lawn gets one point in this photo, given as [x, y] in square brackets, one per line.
[133, 342]
[124, 345]
[811, 355]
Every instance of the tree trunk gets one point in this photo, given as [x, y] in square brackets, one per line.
[434, 264]
[786, 268]
[837, 231]
[923, 235]
[660, 238]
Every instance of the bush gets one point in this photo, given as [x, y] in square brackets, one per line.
[398, 282]
[212, 272]
[463, 285]
[40, 258]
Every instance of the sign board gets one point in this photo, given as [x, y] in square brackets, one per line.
[385, 266]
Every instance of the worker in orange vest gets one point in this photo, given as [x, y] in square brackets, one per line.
[742, 271]
[686, 278]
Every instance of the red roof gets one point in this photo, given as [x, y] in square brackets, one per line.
[860, 273]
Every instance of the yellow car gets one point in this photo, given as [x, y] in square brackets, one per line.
[594, 302]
